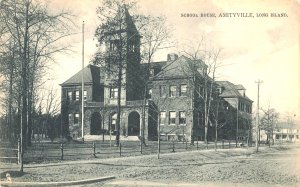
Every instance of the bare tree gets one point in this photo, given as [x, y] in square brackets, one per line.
[114, 33]
[121, 33]
[268, 123]
[35, 33]
[202, 70]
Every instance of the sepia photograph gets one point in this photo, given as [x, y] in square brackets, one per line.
[150, 93]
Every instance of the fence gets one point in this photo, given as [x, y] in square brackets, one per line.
[54, 151]
[10, 153]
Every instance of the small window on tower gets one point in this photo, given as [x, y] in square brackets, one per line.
[113, 92]
[131, 47]
[114, 45]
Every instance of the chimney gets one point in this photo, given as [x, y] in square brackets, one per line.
[172, 57]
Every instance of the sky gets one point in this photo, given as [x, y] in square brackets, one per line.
[252, 48]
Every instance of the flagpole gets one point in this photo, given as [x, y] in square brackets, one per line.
[82, 85]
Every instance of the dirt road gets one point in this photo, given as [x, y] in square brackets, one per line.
[275, 166]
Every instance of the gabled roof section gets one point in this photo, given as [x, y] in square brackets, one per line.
[240, 87]
[230, 90]
[181, 67]
[157, 65]
[91, 74]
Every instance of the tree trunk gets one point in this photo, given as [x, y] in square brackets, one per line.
[119, 105]
[10, 124]
[29, 120]
[216, 135]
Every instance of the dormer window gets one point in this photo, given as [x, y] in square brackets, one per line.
[219, 90]
[151, 72]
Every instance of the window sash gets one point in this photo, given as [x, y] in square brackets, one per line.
[114, 93]
[84, 95]
[162, 91]
[162, 117]
[77, 95]
[70, 95]
[182, 118]
[172, 91]
[183, 90]
[76, 118]
[172, 118]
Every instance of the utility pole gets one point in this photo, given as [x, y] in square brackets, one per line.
[237, 122]
[82, 85]
[258, 82]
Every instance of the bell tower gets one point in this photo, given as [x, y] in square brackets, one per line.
[122, 43]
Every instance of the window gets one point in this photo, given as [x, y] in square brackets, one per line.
[84, 95]
[70, 95]
[284, 136]
[181, 137]
[76, 118]
[151, 72]
[114, 45]
[77, 95]
[149, 93]
[70, 118]
[113, 92]
[162, 117]
[183, 90]
[113, 123]
[162, 91]
[182, 119]
[172, 118]
[131, 47]
[172, 91]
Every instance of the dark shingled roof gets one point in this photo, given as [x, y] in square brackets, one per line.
[231, 90]
[91, 74]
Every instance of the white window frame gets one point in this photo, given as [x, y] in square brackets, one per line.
[173, 91]
[113, 93]
[150, 92]
[77, 95]
[76, 117]
[163, 91]
[84, 95]
[70, 116]
[180, 113]
[70, 95]
[183, 94]
[162, 120]
[170, 117]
